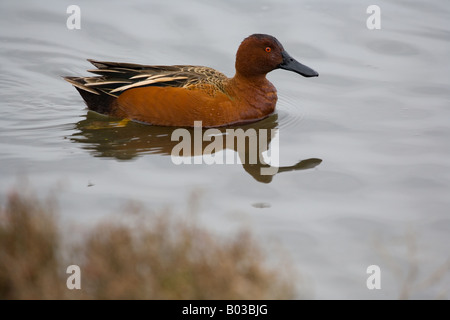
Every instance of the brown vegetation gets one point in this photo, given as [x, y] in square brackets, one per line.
[144, 257]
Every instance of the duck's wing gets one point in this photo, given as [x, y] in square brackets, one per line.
[113, 78]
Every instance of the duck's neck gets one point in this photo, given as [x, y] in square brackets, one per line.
[255, 92]
[254, 82]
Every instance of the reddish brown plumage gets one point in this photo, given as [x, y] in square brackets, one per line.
[180, 95]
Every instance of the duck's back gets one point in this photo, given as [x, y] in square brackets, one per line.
[113, 78]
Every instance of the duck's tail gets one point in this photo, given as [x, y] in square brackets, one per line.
[96, 100]
[100, 92]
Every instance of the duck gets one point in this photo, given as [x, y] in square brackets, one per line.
[182, 95]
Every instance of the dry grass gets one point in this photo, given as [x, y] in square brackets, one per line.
[406, 267]
[148, 257]
[29, 243]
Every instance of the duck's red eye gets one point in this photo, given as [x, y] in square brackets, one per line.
[268, 49]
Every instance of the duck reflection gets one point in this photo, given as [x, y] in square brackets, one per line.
[125, 140]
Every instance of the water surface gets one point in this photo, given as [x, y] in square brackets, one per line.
[376, 120]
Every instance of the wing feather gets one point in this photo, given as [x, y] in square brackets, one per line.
[114, 78]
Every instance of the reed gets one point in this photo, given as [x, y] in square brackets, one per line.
[142, 256]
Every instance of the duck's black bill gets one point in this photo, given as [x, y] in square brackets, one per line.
[291, 64]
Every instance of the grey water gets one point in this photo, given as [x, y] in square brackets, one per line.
[377, 120]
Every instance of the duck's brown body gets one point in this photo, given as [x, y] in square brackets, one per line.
[180, 95]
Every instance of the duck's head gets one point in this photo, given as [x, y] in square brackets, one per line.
[259, 54]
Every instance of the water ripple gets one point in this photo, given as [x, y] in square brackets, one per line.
[289, 112]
